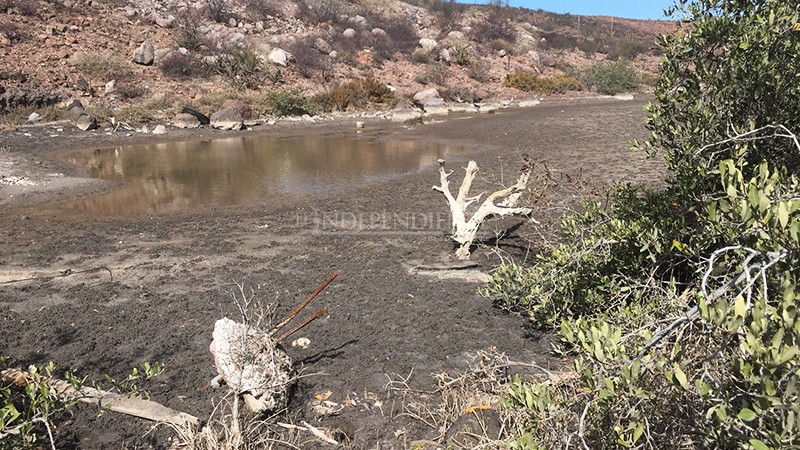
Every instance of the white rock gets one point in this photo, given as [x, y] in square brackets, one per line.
[406, 116]
[160, 129]
[349, 33]
[428, 44]
[528, 103]
[280, 57]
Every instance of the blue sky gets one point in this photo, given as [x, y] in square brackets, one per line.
[633, 9]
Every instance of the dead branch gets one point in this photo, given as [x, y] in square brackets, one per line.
[305, 303]
[132, 406]
[464, 231]
[305, 322]
[63, 274]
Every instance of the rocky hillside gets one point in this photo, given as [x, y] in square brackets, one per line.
[139, 60]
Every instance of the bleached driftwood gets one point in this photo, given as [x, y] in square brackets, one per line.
[464, 230]
[133, 406]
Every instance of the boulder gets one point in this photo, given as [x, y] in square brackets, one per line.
[528, 103]
[144, 55]
[534, 56]
[241, 107]
[202, 118]
[349, 33]
[165, 22]
[227, 119]
[185, 120]
[428, 44]
[378, 32]
[359, 20]
[444, 55]
[160, 129]
[422, 97]
[280, 57]
[110, 87]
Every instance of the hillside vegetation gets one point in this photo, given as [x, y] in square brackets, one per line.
[201, 53]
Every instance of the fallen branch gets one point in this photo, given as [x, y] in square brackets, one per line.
[64, 273]
[464, 231]
[132, 406]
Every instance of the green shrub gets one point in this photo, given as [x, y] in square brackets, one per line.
[546, 85]
[460, 54]
[611, 78]
[289, 102]
[678, 308]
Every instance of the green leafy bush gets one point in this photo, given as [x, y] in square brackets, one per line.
[289, 102]
[460, 54]
[679, 307]
[611, 78]
[546, 85]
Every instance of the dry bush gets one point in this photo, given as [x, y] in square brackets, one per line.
[495, 26]
[130, 90]
[356, 94]
[308, 61]
[400, 37]
[479, 70]
[421, 56]
[180, 65]
[23, 7]
[218, 11]
[333, 11]
[188, 33]
[256, 10]
[559, 41]
[436, 74]
[457, 94]
[105, 65]
[11, 31]
[446, 12]
[627, 47]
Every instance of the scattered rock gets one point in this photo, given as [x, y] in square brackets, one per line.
[349, 33]
[534, 56]
[280, 57]
[528, 103]
[227, 119]
[488, 108]
[160, 54]
[164, 22]
[359, 20]
[322, 46]
[378, 32]
[202, 118]
[502, 52]
[160, 129]
[480, 94]
[444, 55]
[412, 115]
[185, 120]
[144, 55]
[333, 54]
[422, 97]
[428, 44]
[110, 87]
[34, 118]
[86, 122]
[456, 36]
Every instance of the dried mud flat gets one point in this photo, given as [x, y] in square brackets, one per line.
[173, 274]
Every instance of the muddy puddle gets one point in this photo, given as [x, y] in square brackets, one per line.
[181, 176]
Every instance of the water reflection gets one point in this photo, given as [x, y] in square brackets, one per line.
[241, 170]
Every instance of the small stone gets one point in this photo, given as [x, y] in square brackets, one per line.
[185, 120]
[86, 122]
[349, 33]
[110, 87]
[34, 118]
[160, 129]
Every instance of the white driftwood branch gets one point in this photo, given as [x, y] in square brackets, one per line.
[464, 230]
[133, 406]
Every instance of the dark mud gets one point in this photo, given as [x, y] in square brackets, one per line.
[174, 274]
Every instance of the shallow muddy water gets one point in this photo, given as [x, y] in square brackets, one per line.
[241, 170]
